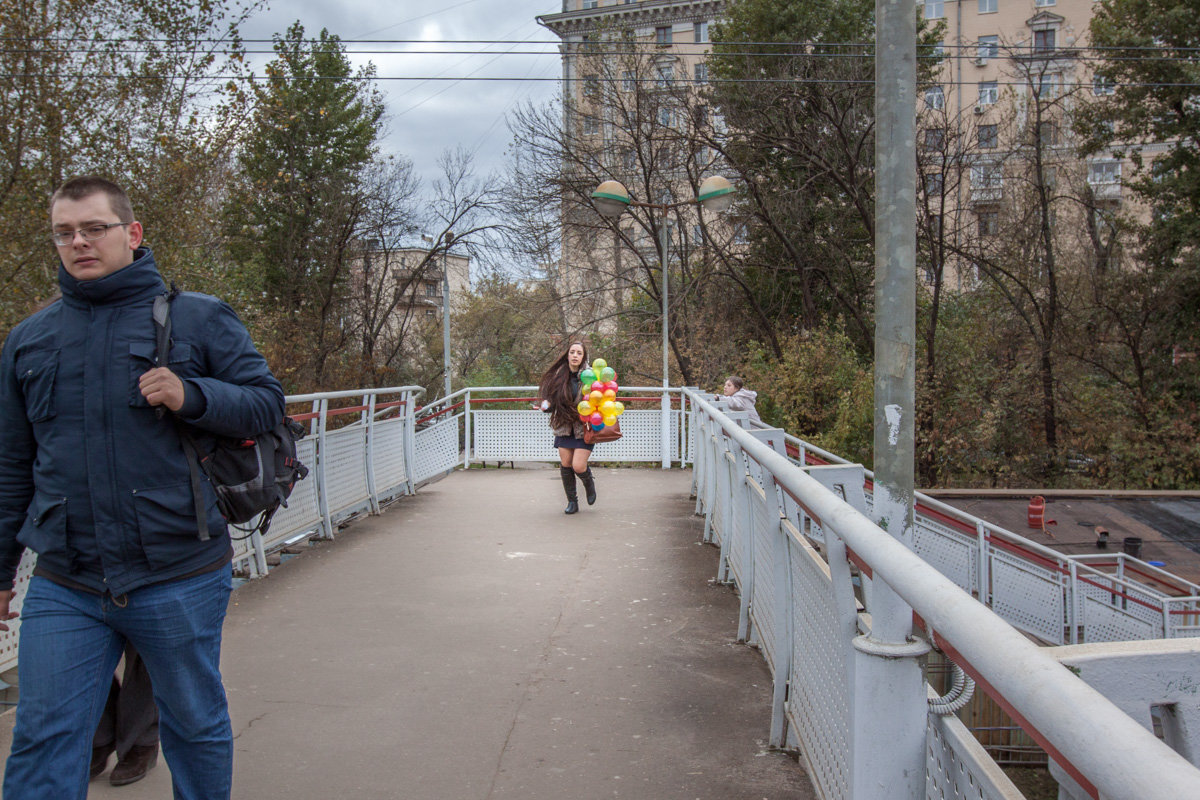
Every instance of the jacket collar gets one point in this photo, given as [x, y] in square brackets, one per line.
[138, 281]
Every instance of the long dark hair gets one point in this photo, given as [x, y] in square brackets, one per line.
[556, 386]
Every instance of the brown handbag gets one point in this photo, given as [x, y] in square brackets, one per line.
[609, 433]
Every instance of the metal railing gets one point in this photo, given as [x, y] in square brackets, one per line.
[790, 522]
[808, 564]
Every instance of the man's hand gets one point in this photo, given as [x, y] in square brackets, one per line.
[5, 615]
[161, 387]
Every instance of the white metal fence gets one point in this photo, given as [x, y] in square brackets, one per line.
[788, 518]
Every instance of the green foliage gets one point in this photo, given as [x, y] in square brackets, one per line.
[293, 217]
[821, 389]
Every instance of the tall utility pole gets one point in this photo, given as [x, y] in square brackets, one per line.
[889, 750]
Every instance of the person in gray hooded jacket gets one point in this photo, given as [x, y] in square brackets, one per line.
[93, 478]
[740, 398]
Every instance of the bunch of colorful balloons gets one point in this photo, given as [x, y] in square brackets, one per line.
[600, 406]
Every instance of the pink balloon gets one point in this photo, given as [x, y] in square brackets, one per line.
[597, 418]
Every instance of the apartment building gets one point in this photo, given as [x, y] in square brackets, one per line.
[612, 52]
[1012, 74]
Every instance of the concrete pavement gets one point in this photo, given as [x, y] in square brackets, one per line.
[474, 642]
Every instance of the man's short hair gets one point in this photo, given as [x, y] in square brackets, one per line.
[88, 185]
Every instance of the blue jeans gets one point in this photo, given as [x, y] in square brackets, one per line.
[70, 644]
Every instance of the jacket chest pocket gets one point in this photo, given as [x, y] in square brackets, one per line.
[142, 356]
[36, 372]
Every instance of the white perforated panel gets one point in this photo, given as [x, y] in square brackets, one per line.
[526, 436]
[763, 543]
[818, 704]
[437, 449]
[8, 639]
[346, 471]
[950, 552]
[958, 768]
[1114, 614]
[1028, 596]
[387, 455]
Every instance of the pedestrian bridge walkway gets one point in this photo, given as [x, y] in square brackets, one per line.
[472, 641]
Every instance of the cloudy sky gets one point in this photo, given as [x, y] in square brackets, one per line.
[426, 118]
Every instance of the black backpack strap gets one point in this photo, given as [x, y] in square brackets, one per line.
[162, 340]
[193, 459]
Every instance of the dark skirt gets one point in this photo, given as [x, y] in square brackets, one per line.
[571, 443]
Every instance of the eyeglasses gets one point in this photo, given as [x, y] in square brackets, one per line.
[90, 233]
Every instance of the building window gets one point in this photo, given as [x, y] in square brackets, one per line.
[989, 136]
[935, 98]
[935, 9]
[700, 117]
[701, 31]
[662, 35]
[429, 312]
[989, 92]
[701, 73]
[987, 47]
[935, 138]
[431, 290]
[934, 184]
[666, 76]
[1048, 134]
[1102, 86]
[591, 87]
[697, 235]
[987, 6]
[987, 176]
[1043, 41]
[1044, 3]
[628, 81]
[591, 125]
[666, 117]
[1104, 173]
[989, 223]
[590, 4]
[1047, 86]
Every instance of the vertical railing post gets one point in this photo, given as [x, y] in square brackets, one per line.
[784, 613]
[1072, 604]
[727, 466]
[369, 433]
[742, 486]
[467, 430]
[666, 428]
[410, 442]
[982, 592]
[322, 471]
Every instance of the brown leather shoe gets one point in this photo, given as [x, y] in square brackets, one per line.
[100, 760]
[134, 766]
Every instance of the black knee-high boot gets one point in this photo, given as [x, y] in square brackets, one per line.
[589, 485]
[568, 481]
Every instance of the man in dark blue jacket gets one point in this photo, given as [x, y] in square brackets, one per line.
[93, 478]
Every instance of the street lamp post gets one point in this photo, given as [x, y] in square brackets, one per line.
[611, 199]
[446, 312]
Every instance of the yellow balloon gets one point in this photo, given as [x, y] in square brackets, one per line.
[608, 408]
[584, 408]
[611, 394]
[619, 407]
[596, 398]
[598, 365]
[610, 419]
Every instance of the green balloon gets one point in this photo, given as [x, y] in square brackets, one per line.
[588, 376]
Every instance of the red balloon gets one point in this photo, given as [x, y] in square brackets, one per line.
[597, 418]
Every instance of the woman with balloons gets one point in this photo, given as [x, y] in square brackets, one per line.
[561, 393]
